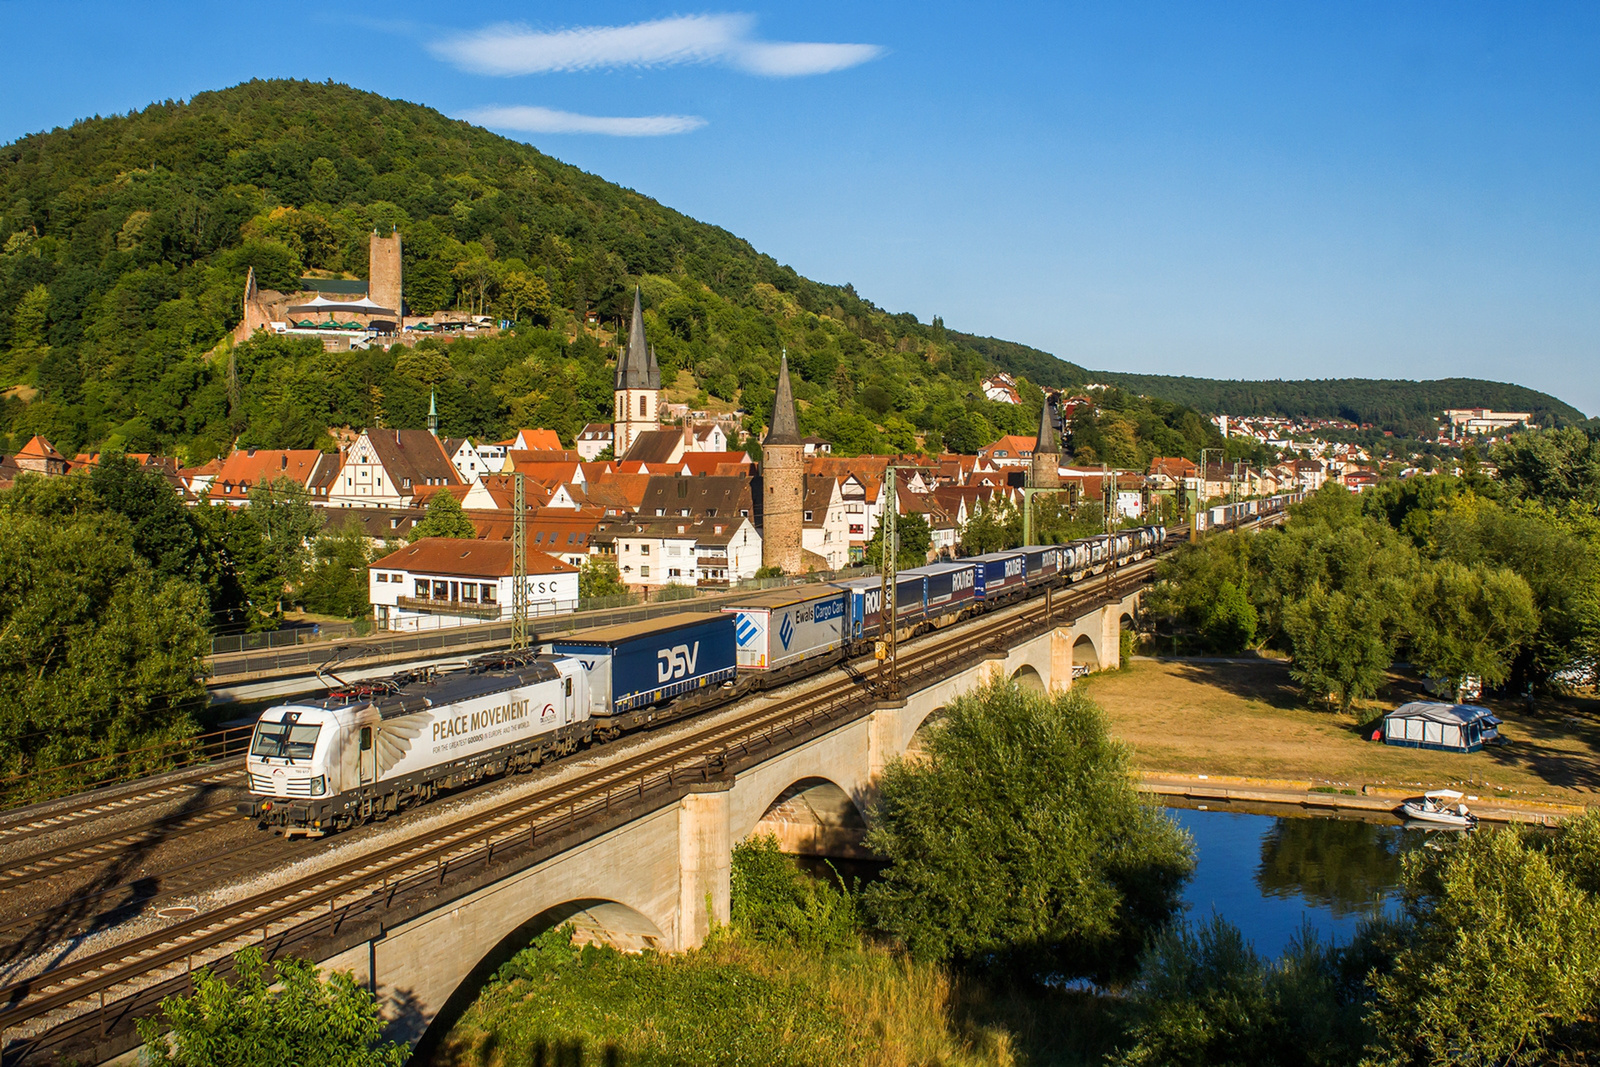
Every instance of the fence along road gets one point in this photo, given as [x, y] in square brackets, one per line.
[236, 667]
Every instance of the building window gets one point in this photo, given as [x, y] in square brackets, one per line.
[674, 572]
[383, 577]
[644, 550]
[808, 516]
[644, 572]
[488, 592]
[643, 407]
[422, 589]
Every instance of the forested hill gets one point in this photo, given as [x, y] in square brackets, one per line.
[124, 244]
[1392, 404]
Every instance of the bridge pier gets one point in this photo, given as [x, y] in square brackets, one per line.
[705, 863]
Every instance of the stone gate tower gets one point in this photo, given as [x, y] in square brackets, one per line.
[1045, 472]
[782, 481]
[383, 273]
[636, 401]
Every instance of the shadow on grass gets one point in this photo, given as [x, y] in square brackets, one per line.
[1266, 681]
[1038, 1027]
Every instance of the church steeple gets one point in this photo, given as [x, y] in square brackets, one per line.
[636, 367]
[636, 401]
[433, 412]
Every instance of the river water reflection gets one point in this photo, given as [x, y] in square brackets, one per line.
[1267, 874]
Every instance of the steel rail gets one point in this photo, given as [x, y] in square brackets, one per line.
[552, 808]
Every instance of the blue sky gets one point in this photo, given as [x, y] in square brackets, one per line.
[1228, 190]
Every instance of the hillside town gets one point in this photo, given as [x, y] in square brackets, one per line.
[672, 498]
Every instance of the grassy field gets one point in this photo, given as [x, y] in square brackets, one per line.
[1247, 719]
[735, 1003]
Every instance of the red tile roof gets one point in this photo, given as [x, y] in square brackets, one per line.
[467, 558]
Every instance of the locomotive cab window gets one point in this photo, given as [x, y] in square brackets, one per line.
[366, 738]
[285, 740]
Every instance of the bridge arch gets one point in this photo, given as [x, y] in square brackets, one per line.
[595, 920]
[814, 801]
[931, 722]
[1028, 677]
[1084, 654]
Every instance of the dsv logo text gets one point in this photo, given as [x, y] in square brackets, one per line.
[676, 662]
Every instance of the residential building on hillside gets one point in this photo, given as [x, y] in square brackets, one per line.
[249, 467]
[446, 581]
[594, 439]
[1012, 450]
[1001, 388]
[385, 467]
[710, 497]
[464, 457]
[40, 457]
[825, 527]
[682, 551]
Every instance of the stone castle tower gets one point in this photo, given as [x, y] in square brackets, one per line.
[383, 273]
[1046, 470]
[782, 481]
[636, 400]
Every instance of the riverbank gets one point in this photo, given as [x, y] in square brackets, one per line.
[1207, 727]
[1323, 800]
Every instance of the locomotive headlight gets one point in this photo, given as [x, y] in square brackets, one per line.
[319, 785]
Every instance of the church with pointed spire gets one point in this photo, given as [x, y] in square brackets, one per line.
[783, 482]
[637, 394]
[1045, 471]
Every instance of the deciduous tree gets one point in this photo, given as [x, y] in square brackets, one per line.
[1021, 840]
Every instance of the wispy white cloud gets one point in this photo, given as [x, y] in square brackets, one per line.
[510, 49]
[549, 120]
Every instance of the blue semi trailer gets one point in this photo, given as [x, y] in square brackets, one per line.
[641, 664]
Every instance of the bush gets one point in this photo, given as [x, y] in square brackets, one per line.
[775, 901]
[295, 1017]
[674, 591]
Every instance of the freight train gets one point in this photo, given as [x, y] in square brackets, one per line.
[365, 752]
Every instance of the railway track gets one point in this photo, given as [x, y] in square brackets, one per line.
[50, 999]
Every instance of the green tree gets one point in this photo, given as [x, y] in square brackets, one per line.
[914, 537]
[287, 521]
[1551, 466]
[444, 518]
[1022, 841]
[991, 528]
[1471, 621]
[336, 583]
[101, 655]
[599, 577]
[1498, 962]
[292, 1016]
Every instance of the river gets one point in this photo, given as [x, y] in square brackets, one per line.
[1267, 874]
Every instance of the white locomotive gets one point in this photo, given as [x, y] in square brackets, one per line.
[365, 752]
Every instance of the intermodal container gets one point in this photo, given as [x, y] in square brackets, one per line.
[642, 663]
[785, 626]
[1000, 574]
[865, 601]
[1044, 562]
[950, 586]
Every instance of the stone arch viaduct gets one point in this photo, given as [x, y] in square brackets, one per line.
[660, 880]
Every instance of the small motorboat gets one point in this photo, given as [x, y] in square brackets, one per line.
[1443, 807]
